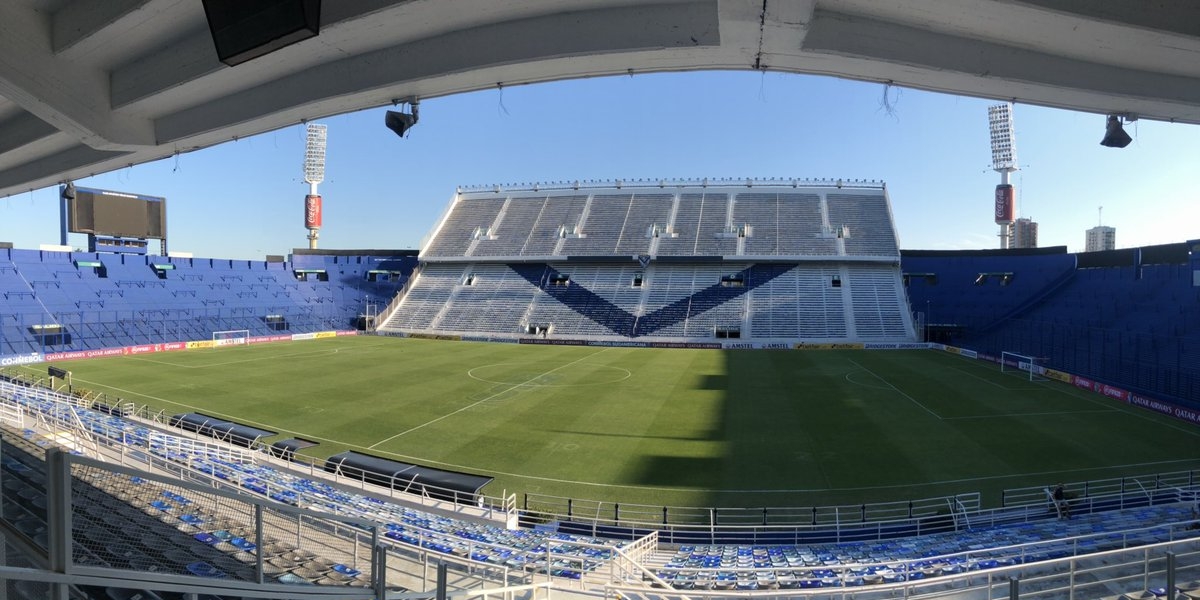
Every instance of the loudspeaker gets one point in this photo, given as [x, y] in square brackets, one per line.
[1114, 134]
[243, 30]
[399, 122]
[68, 191]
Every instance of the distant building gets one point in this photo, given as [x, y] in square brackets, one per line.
[1025, 233]
[1101, 237]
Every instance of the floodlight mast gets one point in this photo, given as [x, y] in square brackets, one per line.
[1004, 162]
[314, 173]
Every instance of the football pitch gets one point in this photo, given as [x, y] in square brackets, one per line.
[667, 427]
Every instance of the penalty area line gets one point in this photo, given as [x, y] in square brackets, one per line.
[477, 403]
[1033, 414]
[898, 390]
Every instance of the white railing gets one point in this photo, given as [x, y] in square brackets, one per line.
[493, 508]
[642, 548]
[225, 497]
[128, 448]
[634, 559]
[748, 182]
[382, 317]
[12, 415]
[941, 565]
[1099, 575]
[631, 563]
[70, 539]
[745, 522]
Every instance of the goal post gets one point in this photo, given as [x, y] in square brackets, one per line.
[1030, 367]
[232, 337]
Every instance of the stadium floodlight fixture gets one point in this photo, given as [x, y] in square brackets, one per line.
[314, 173]
[1114, 133]
[314, 154]
[401, 122]
[1004, 146]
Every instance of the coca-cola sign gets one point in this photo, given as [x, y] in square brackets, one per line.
[1005, 204]
[312, 212]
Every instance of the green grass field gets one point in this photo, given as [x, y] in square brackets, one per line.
[675, 427]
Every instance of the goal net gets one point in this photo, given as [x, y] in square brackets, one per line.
[1030, 367]
[233, 337]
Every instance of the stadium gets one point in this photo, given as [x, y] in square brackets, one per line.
[638, 389]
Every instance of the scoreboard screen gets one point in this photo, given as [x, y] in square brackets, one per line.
[101, 212]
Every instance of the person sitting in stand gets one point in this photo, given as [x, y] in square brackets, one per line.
[1060, 502]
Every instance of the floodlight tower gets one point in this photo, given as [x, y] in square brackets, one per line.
[1004, 162]
[314, 173]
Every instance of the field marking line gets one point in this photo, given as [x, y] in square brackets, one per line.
[985, 380]
[859, 383]
[477, 403]
[638, 487]
[1036, 414]
[976, 362]
[1069, 390]
[245, 360]
[471, 374]
[897, 390]
[1119, 407]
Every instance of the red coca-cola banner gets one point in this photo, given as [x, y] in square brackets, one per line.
[1006, 204]
[312, 212]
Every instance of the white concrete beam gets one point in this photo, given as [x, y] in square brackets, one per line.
[785, 28]
[35, 149]
[80, 22]
[192, 57]
[759, 30]
[1181, 17]
[71, 97]
[22, 130]
[48, 170]
[929, 52]
[184, 61]
[526, 41]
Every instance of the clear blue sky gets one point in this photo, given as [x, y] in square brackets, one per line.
[244, 199]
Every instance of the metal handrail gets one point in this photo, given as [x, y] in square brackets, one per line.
[672, 182]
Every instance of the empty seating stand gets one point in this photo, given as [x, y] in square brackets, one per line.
[109, 300]
[1127, 318]
[688, 262]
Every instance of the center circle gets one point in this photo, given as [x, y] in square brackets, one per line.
[850, 377]
[537, 375]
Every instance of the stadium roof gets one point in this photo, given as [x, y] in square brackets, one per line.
[87, 87]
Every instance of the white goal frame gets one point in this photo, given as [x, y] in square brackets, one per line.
[1034, 367]
[231, 337]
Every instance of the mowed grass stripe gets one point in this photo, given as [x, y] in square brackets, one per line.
[679, 427]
